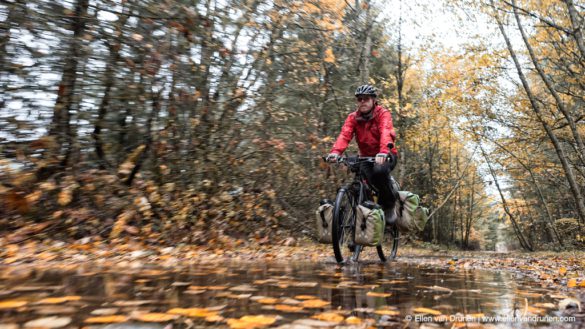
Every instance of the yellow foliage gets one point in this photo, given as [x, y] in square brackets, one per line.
[329, 56]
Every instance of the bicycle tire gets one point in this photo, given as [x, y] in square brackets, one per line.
[343, 227]
[394, 234]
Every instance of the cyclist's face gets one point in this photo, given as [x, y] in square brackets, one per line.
[364, 103]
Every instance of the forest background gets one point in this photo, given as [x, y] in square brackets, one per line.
[204, 122]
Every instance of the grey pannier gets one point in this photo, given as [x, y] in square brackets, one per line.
[324, 219]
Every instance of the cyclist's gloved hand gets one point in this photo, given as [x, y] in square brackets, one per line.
[332, 157]
[381, 158]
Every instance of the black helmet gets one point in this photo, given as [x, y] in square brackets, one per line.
[366, 90]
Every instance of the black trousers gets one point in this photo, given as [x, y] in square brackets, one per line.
[378, 175]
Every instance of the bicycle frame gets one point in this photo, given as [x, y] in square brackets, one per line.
[362, 187]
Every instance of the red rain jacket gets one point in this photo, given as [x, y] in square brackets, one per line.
[372, 136]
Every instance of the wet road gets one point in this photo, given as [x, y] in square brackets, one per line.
[285, 295]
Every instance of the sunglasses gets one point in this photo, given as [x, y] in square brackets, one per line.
[362, 99]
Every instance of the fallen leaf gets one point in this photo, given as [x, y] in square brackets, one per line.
[314, 303]
[329, 317]
[251, 321]
[155, 317]
[12, 304]
[105, 311]
[546, 305]
[305, 297]
[50, 310]
[243, 288]
[387, 312]
[58, 300]
[378, 294]
[288, 308]
[48, 322]
[107, 319]
[572, 283]
[562, 271]
[214, 318]
[353, 320]
[426, 311]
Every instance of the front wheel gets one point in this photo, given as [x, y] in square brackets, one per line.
[390, 240]
[344, 218]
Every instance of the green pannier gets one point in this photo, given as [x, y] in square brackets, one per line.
[370, 225]
[324, 217]
[411, 217]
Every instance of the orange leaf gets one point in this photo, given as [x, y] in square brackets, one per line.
[353, 320]
[426, 311]
[572, 283]
[378, 294]
[314, 303]
[12, 304]
[562, 271]
[59, 300]
[329, 317]
[305, 297]
[251, 321]
[387, 312]
[288, 308]
[155, 317]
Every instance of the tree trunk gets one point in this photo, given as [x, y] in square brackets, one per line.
[519, 234]
[61, 125]
[577, 23]
[364, 65]
[560, 104]
[111, 68]
[575, 189]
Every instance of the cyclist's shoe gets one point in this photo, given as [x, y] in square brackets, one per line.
[351, 247]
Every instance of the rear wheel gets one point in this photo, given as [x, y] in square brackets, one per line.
[344, 218]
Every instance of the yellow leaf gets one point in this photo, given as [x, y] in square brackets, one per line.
[288, 308]
[214, 318]
[562, 271]
[59, 300]
[305, 297]
[155, 317]
[251, 321]
[572, 283]
[353, 320]
[107, 319]
[378, 294]
[12, 304]
[387, 312]
[314, 303]
[329, 317]
[426, 311]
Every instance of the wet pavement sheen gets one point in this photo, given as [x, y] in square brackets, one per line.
[394, 295]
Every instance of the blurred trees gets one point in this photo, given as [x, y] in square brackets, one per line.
[200, 119]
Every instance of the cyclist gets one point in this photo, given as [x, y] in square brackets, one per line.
[374, 131]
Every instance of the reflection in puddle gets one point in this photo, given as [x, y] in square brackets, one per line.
[360, 295]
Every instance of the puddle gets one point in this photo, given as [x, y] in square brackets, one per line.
[289, 295]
